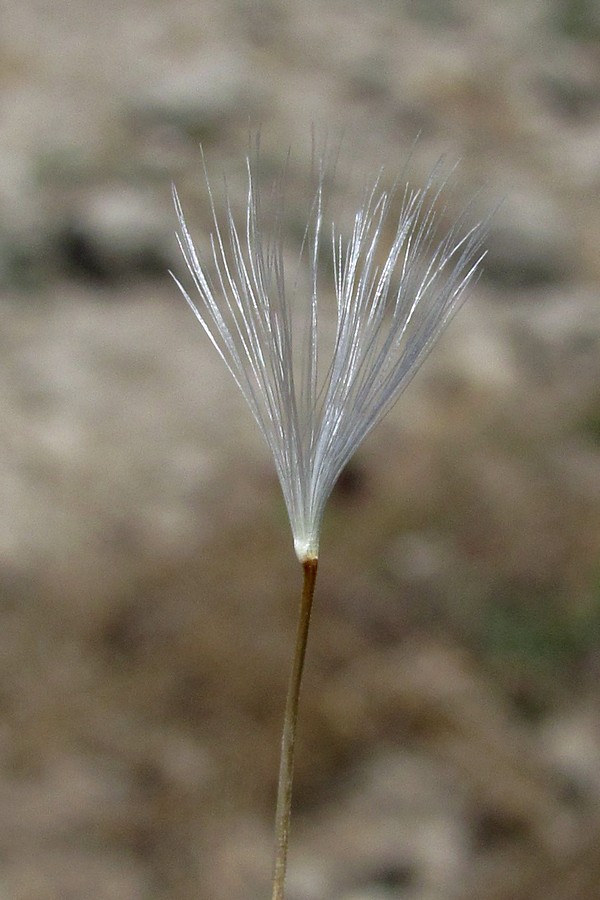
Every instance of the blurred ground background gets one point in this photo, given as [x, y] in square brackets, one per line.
[450, 729]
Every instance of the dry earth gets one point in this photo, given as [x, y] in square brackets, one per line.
[450, 745]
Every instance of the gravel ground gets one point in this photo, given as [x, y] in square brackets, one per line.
[450, 734]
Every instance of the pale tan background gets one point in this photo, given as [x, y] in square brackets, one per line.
[450, 725]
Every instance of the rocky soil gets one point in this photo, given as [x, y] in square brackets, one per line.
[450, 733]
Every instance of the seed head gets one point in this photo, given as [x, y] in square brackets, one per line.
[397, 281]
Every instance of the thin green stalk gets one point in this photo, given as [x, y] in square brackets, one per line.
[288, 740]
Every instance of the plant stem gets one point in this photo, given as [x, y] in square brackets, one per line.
[288, 740]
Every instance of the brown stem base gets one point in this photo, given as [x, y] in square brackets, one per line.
[288, 740]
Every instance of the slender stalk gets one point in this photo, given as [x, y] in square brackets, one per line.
[288, 740]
